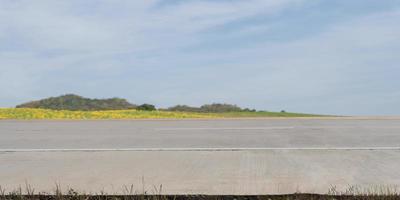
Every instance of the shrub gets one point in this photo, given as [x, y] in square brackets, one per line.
[218, 107]
[146, 107]
[184, 108]
[211, 108]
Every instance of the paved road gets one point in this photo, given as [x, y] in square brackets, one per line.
[254, 157]
[290, 133]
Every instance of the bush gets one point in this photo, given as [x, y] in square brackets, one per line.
[184, 108]
[146, 107]
[211, 108]
[218, 107]
[249, 110]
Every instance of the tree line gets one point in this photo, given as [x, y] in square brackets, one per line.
[76, 102]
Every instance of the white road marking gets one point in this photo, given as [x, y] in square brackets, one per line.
[199, 149]
[221, 128]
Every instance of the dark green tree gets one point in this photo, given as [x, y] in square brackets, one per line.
[75, 102]
[146, 107]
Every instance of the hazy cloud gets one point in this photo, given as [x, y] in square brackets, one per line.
[288, 54]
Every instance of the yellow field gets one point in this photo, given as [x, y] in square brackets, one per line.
[28, 113]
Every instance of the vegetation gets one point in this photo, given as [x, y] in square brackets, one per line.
[147, 107]
[128, 193]
[210, 108]
[33, 113]
[198, 197]
[183, 108]
[220, 108]
[75, 102]
[72, 106]
[78, 103]
[262, 114]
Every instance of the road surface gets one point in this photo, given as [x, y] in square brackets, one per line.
[237, 156]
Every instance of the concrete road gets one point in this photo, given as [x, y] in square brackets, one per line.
[254, 156]
[276, 133]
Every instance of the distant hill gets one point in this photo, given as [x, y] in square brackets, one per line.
[78, 103]
[210, 108]
[75, 102]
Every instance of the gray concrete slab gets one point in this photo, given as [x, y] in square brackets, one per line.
[320, 153]
[253, 133]
[204, 172]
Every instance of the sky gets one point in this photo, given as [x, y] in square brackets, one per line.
[312, 56]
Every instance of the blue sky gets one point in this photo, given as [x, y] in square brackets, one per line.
[314, 56]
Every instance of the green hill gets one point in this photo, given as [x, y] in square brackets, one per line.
[75, 102]
[210, 108]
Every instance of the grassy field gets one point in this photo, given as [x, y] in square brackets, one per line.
[29, 113]
[263, 114]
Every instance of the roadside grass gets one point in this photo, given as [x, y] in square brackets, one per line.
[128, 193]
[31, 113]
[265, 114]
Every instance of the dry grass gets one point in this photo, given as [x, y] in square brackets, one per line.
[129, 193]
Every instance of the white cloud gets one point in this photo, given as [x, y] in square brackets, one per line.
[120, 26]
[47, 35]
[109, 39]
